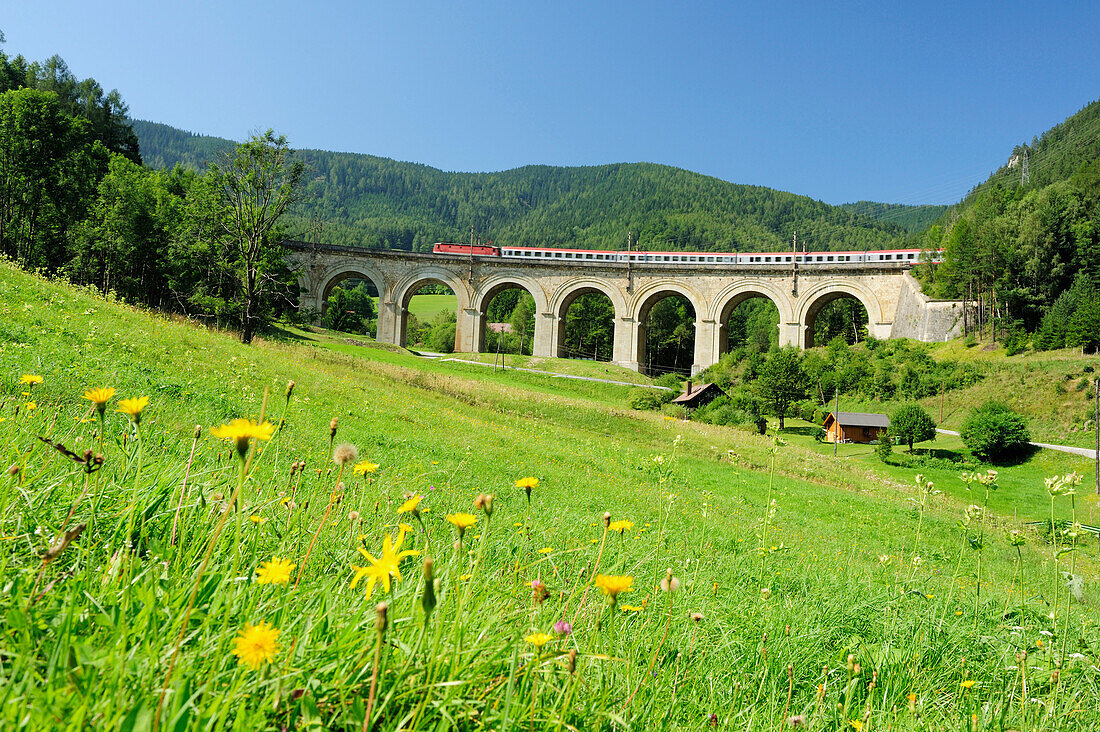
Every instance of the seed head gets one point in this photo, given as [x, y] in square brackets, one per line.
[669, 583]
[572, 660]
[332, 430]
[765, 593]
[606, 519]
[198, 431]
[797, 720]
[353, 516]
[289, 389]
[345, 453]
[697, 617]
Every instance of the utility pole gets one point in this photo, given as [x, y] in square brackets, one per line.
[1025, 174]
[1096, 428]
[629, 272]
[794, 265]
[836, 423]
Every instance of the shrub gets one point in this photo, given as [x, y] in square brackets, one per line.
[884, 448]
[911, 423]
[675, 410]
[993, 431]
[649, 398]
[670, 381]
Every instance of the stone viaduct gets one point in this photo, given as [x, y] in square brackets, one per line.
[895, 307]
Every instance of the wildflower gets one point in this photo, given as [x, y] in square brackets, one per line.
[30, 379]
[256, 519]
[365, 467]
[563, 628]
[345, 453]
[546, 550]
[527, 484]
[275, 572]
[797, 720]
[411, 504]
[406, 528]
[256, 644]
[241, 431]
[912, 702]
[884, 559]
[765, 593]
[917, 560]
[385, 566]
[464, 577]
[631, 608]
[353, 516]
[30, 406]
[620, 526]
[462, 521]
[539, 591]
[857, 725]
[538, 640]
[669, 583]
[133, 407]
[613, 585]
[968, 684]
[697, 617]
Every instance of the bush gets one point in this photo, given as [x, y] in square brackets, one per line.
[652, 399]
[993, 431]
[670, 381]
[884, 448]
[675, 410]
[911, 423]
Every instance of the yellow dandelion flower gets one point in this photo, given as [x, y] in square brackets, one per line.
[242, 431]
[620, 526]
[411, 504]
[538, 640]
[464, 577]
[527, 483]
[968, 684]
[462, 521]
[256, 644]
[100, 396]
[546, 550]
[275, 572]
[517, 525]
[30, 406]
[133, 407]
[406, 528]
[630, 609]
[364, 467]
[857, 724]
[30, 379]
[593, 541]
[614, 584]
[256, 519]
[385, 566]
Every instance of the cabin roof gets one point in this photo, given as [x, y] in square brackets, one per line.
[860, 419]
[696, 392]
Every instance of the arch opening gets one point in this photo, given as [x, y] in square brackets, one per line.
[586, 325]
[428, 317]
[836, 314]
[349, 304]
[749, 323]
[507, 322]
[666, 335]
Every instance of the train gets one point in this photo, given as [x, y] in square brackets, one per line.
[902, 256]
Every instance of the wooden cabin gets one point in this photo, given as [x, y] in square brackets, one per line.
[855, 427]
[698, 395]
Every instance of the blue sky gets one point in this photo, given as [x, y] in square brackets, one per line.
[909, 103]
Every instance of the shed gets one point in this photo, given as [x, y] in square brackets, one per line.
[855, 426]
[698, 396]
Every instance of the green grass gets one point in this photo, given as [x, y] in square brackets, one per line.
[426, 307]
[89, 637]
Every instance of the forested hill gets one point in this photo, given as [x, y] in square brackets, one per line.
[911, 218]
[1069, 151]
[363, 200]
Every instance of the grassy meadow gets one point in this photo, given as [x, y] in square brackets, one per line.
[184, 584]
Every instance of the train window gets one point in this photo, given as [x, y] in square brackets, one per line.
[557, 254]
[910, 255]
[829, 258]
[767, 259]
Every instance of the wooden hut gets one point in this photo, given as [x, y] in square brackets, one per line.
[698, 395]
[855, 427]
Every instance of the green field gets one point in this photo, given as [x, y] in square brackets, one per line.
[803, 569]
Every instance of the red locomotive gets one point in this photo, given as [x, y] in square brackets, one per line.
[481, 250]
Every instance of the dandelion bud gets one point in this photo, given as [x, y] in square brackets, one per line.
[427, 601]
[345, 453]
[572, 660]
[765, 593]
[857, 669]
[669, 583]
[606, 519]
[12, 471]
[697, 617]
[787, 630]
[332, 430]
[293, 468]
[381, 609]
[289, 389]
[198, 431]
[484, 502]
[851, 663]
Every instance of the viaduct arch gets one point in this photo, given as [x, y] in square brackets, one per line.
[895, 306]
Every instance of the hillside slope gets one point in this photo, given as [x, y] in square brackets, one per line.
[774, 548]
[363, 200]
